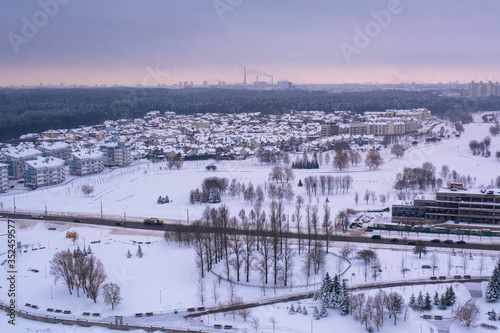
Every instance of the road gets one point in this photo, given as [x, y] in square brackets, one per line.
[177, 227]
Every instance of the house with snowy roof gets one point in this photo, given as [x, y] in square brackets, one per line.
[44, 171]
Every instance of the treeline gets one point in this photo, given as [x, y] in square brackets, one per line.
[36, 110]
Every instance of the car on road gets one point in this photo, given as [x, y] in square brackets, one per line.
[376, 237]
[411, 243]
[77, 220]
[435, 241]
[448, 241]
[119, 223]
[37, 217]
[394, 240]
[460, 242]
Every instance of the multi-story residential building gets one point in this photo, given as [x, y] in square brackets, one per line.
[57, 149]
[44, 171]
[15, 158]
[86, 162]
[454, 204]
[329, 129]
[116, 154]
[4, 177]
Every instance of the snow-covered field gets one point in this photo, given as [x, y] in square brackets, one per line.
[166, 277]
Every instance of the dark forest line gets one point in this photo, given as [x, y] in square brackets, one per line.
[35, 110]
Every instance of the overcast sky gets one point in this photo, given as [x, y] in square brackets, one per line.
[129, 42]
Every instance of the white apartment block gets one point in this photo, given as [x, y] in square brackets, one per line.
[44, 171]
[116, 154]
[86, 162]
[57, 149]
[15, 158]
[4, 177]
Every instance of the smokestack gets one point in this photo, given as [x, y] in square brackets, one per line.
[244, 74]
[272, 78]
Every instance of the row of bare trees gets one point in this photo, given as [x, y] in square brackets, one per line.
[328, 185]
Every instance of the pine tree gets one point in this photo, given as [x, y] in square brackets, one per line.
[299, 309]
[412, 301]
[316, 313]
[450, 296]
[326, 289]
[89, 251]
[323, 313]
[492, 315]
[427, 302]
[336, 292]
[129, 255]
[442, 303]
[304, 311]
[436, 299]
[420, 300]
[345, 301]
[493, 289]
[139, 252]
[300, 183]
[291, 311]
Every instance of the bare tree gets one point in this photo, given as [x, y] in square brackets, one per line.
[368, 256]
[273, 322]
[394, 304]
[255, 322]
[343, 220]
[236, 245]
[404, 269]
[398, 150]
[346, 251]
[481, 263]
[356, 198]
[366, 197]
[87, 189]
[112, 295]
[354, 157]
[467, 315]
[420, 248]
[61, 267]
[341, 160]
[373, 159]
[95, 277]
[450, 263]
[327, 224]
[298, 219]
[201, 290]
[434, 261]
[378, 304]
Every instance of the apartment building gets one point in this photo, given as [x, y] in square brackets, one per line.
[44, 171]
[4, 177]
[116, 154]
[57, 149]
[86, 162]
[15, 158]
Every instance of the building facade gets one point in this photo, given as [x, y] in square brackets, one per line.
[57, 149]
[15, 158]
[4, 177]
[44, 171]
[86, 162]
[116, 154]
[454, 204]
[329, 129]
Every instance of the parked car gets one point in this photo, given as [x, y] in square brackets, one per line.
[119, 223]
[395, 240]
[448, 241]
[77, 220]
[435, 241]
[411, 243]
[37, 217]
[376, 237]
[460, 242]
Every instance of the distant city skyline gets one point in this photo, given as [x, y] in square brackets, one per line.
[306, 42]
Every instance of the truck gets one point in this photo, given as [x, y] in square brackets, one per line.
[153, 220]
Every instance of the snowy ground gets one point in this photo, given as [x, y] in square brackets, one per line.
[169, 270]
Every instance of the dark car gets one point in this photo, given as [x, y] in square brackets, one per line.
[435, 241]
[448, 241]
[411, 243]
[77, 220]
[119, 223]
[376, 237]
[460, 242]
[394, 240]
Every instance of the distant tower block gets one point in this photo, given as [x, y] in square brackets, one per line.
[244, 74]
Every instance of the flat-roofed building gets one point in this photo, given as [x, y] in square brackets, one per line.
[116, 154]
[453, 204]
[15, 158]
[87, 162]
[4, 177]
[57, 149]
[44, 171]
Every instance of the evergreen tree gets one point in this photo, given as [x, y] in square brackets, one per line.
[299, 309]
[300, 183]
[436, 299]
[427, 302]
[336, 293]
[316, 313]
[323, 313]
[89, 251]
[450, 296]
[326, 289]
[291, 311]
[493, 289]
[412, 301]
[345, 301]
[492, 315]
[442, 303]
[420, 300]
[129, 255]
[304, 311]
[139, 252]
